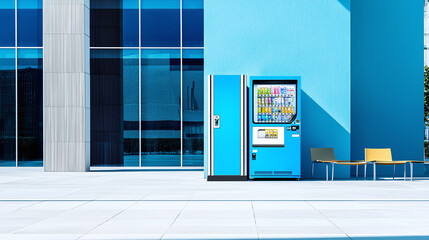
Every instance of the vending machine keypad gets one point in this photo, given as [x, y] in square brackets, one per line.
[268, 136]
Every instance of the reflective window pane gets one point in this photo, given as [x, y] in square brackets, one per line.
[115, 108]
[160, 23]
[193, 107]
[193, 23]
[30, 107]
[160, 109]
[30, 23]
[114, 23]
[7, 108]
[7, 23]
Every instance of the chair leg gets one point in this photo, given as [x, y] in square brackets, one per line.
[327, 172]
[364, 173]
[394, 170]
[333, 172]
[357, 172]
[375, 172]
[405, 172]
[312, 170]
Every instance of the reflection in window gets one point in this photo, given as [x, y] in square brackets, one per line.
[30, 107]
[7, 108]
[160, 23]
[30, 22]
[7, 23]
[160, 107]
[114, 23]
[115, 108]
[193, 23]
[193, 107]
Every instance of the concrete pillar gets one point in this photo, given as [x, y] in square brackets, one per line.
[66, 86]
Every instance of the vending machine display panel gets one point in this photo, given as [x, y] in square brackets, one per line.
[274, 103]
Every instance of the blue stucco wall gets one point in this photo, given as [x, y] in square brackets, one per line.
[304, 38]
[387, 79]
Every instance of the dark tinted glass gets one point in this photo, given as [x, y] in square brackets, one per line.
[193, 23]
[30, 22]
[30, 107]
[160, 23]
[114, 107]
[160, 109]
[7, 23]
[114, 23]
[7, 108]
[193, 107]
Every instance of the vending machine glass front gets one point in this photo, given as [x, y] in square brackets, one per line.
[274, 103]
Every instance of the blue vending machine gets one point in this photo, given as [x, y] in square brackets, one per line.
[227, 135]
[275, 127]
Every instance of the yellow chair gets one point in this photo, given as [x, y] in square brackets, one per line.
[382, 156]
[411, 162]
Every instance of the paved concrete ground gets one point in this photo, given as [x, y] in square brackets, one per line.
[182, 205]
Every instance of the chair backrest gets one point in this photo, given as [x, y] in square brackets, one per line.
[380, 154]
[322, 154]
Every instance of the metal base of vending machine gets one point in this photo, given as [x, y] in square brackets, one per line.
[227, 178]
[227, 135]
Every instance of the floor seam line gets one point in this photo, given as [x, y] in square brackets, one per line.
[106, 221]
[335, 225]
[254, 218]
[16, 231]
[162, 236]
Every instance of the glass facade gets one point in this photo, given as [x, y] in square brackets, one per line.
[21, 83]
[160, 108]
[160, 23]
[7, 108]
[147, 83]
[115, 107]
[7, 23]
[114, 23]
[30, 107]
[193, 23]
[193, 107]
[30, 19]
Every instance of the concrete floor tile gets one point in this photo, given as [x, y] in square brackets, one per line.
[121, 237]
[182, 205]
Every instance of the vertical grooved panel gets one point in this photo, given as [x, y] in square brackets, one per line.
[66, 85]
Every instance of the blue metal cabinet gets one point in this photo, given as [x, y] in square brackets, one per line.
[227, 128]
[275, 127]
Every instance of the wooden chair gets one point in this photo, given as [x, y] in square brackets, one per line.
[356, 163]
[382, 156]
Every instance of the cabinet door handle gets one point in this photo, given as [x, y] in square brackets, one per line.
[216, 119]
